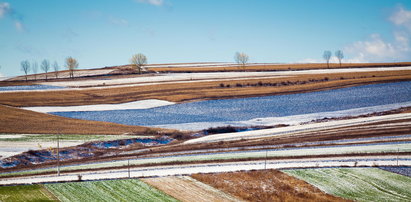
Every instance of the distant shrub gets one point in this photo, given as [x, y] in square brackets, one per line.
[221, 85]
[223, 129]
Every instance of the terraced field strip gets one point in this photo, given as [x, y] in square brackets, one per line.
[215, 76]
[360, 184]
[364, 149]
[357, 149]
[185, 169]
[295, 129]
[111, 190]
[215, 67]
[265, 185]
[179, 92]
[25, 193]
[185, 188]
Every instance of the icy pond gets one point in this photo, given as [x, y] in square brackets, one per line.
[30, 87]
[268, 110]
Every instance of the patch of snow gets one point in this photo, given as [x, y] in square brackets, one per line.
[10, 136]
[296, 128]
[142, 104]
[211, 75]
[10, 148]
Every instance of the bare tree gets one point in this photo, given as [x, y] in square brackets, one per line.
[56, 69]
[138, 60]
[327, 57]
[71, 64]
[340, 55]
[35, 69]
[25, 67]
[45, 66]
[241, 59]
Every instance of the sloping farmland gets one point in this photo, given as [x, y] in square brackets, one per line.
[185, 188]
[360, 184]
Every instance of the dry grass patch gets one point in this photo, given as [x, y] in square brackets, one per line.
[188, 189]
[265, 185]
[14, 120]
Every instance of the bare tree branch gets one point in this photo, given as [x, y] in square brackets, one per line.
[327, 57]
[71, 64]
[25, 67]
[56, 69]
[241, 59]
[138, 60]
[340, 55]
[45, 66]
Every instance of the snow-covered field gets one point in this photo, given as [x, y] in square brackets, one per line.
[142, 104]
[164, 78]
[306, 151]
[213, 167]
[13, 144]
[296, 128]
[66, 74]
[214, 75]
[8, 148]
[205, 64]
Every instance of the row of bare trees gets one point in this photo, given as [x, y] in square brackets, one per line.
[139, 60]
[45, 65]
[327, 56]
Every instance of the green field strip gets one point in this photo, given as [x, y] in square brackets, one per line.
[25, 193]
[359, 184]
[109, 190]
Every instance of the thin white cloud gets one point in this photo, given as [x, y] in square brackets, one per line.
[4, 9]
[19, 26]
[376, 49]
[117, 21]
[401, 17]
[152, 2]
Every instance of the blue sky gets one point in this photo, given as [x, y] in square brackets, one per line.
[107, 32]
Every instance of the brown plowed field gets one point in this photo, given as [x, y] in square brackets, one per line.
[265, 185]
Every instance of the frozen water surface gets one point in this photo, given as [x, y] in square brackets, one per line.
[30, 87]
[248, 111]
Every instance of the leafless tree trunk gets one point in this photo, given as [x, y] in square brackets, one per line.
[45, 66]
[25, 67]
[56, 69]
[71, 64]
[241, 59]
[340, 55]
[327, 57]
